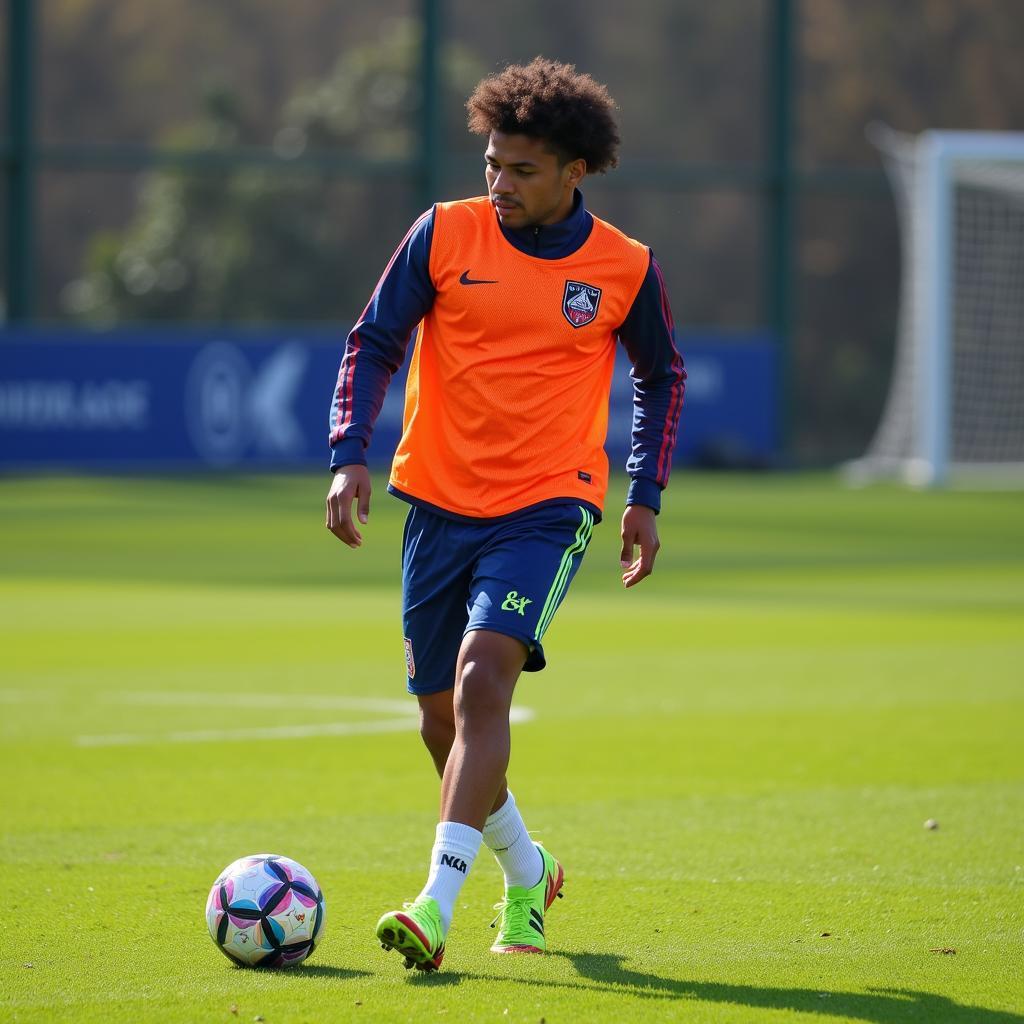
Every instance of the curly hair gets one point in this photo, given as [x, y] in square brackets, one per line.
[570, 112]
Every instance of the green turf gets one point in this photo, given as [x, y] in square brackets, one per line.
[734, 761]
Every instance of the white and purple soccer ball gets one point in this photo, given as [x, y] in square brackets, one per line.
[266, 911]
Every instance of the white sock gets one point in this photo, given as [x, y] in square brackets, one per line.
[455, 849]
[506, 837]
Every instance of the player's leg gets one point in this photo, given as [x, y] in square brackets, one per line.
[437, 730]
[435, 580]
[538, 554]
[504, 831]
[437, 725]
[474, 776]
[488, 666]
[519, 584]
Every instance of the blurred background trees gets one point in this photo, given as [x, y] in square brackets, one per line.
[255, 244]
[219, 242]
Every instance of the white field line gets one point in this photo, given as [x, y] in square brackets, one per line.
[312, 702]
[409, 717]
[280, 732]
[25, 696]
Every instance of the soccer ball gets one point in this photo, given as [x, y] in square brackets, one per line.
[265, 911]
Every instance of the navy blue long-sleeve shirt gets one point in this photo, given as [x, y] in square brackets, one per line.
[403, 296]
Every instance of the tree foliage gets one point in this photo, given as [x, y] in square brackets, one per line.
[690, 79]
[256, 244]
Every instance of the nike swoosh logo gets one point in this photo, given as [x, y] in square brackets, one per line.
[466, 279]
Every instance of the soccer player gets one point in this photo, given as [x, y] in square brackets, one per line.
[519, 297]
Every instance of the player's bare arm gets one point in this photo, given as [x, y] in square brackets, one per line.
[350, 486]
[639, 530]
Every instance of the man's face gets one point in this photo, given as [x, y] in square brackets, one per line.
[526, 183]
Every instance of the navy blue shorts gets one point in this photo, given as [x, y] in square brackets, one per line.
[507, 575]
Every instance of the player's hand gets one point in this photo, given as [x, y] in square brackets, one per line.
[639, 528]
[350, 484]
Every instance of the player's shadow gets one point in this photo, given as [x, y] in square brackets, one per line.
[882, 1005]
[605, 972]
[438, 979]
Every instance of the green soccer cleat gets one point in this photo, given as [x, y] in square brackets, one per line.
[522, 910]
[416, 932]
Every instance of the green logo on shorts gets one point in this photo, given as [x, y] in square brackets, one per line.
[514, 603]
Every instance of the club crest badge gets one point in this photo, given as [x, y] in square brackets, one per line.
[579, 305]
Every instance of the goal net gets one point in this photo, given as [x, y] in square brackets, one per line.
[956, 399]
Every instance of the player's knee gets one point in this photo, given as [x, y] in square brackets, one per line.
[482, 693]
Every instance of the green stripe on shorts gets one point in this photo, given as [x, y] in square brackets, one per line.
[558, 588]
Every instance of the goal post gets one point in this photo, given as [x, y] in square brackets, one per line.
[955, 406]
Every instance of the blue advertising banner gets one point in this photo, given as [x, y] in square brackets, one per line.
[153, 400]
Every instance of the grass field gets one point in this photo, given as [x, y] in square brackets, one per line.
[734, 761]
